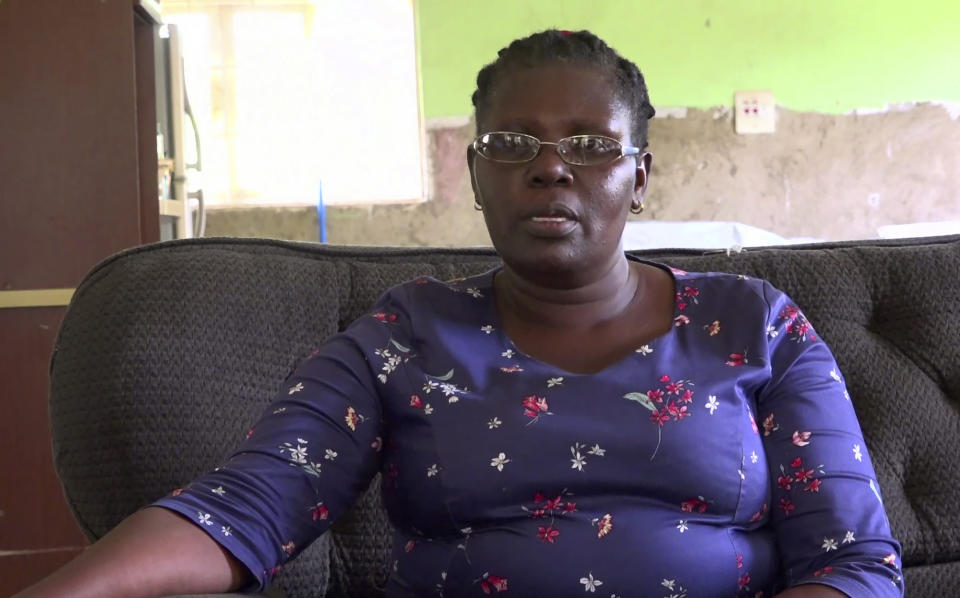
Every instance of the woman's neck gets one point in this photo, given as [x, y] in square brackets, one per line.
[581, 301]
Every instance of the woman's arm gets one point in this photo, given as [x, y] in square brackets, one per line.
[826, 508]
[154, 552]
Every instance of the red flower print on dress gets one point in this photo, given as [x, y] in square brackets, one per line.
[737, 359]
[681, 320]
[554, 508]
[743, 581]
[759, 514]
[698, 504]
[289, 547]
[801, 438]
[534, 407]
[319, 512]
[677, 413]
[739, 561]
[547, 533]
[797, 327]
[489, 583]
[415, 401]
[822, 572]
[603, 524]
[801, 477]
[409, 546]
[786, 506]
[653, 399]
[660, 418]
[512, 369]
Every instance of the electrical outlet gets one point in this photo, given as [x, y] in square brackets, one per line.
[755, 112]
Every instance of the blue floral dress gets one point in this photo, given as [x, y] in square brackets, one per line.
[723, 458]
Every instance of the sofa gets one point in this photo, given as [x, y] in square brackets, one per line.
[168, 352]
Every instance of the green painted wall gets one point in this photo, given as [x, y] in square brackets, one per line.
[816, 55]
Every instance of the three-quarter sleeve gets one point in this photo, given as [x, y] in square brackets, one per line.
[827, 510]
[313, 451]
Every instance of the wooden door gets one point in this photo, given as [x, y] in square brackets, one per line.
[77, 183]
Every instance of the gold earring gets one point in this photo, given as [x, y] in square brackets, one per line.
[637, 209]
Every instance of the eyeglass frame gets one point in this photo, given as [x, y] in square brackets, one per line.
[625, 150]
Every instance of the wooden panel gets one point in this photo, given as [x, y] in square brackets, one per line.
[22, 570]
[144, 35]
[70, 191]
[35, 513]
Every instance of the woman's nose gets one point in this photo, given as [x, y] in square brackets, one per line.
[548, 169]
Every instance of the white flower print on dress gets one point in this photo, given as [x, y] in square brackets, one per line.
[296, 388]
[848, 538]
[499, 461]
[508, 353]
[772, 332]
[644, 350]
[589, 583]
[432, 470]
[597, 451]
[204, 518]
[712, 404]
[682, 525]
[554, 382]
[835, 375]
[579, 460]
[857, 454]
[473, 292]
[226, 530]
[828, 544]
[754, 457]
[677, 590]
[298, 457]
[279, 410]
[487, 329]
[494, 423]
[427, 409]
[219, 491]
[330, 454]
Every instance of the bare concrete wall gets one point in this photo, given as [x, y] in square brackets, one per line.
[820, 175]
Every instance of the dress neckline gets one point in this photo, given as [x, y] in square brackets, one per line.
[492, 318]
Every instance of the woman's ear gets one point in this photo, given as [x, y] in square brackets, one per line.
[644, 164]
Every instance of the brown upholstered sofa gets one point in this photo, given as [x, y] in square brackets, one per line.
[168, 352]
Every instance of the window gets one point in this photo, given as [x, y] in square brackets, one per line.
[295, 96]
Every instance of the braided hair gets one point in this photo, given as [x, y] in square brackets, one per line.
[571, 47]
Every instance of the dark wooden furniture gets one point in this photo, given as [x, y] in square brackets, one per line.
[78, 182]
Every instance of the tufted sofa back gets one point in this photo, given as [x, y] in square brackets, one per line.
[168, 352]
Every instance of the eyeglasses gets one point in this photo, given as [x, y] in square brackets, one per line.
[579, 150]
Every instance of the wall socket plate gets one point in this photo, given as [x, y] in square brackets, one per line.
[755, 112]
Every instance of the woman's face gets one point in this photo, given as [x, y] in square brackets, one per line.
[546, 215]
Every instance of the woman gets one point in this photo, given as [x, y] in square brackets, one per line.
[573, 422]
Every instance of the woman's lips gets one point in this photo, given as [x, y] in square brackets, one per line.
[550, 226]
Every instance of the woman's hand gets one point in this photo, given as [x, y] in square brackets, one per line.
[811, 591]
[153, 552]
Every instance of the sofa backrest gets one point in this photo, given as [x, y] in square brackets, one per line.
[169, 352]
